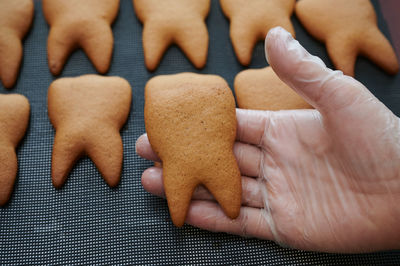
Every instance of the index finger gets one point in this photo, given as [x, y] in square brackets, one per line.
[251, 125]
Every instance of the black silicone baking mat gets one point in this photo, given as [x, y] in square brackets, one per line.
[86, 222]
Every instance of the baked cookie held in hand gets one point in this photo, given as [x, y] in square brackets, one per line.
[191, 124]
[251, 21]
[87, 113]
[80, 24]
[14, 118]
[15, 20]
[169, 22]
[349, 29]
[262, 89]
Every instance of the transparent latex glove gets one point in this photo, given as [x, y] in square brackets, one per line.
[323, 180]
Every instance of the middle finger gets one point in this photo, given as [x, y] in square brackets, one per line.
[251, 194]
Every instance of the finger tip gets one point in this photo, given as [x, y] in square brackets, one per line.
[140, 144]
[146, 181]
[144, 149]
[276, 37]
[271, 35]
[152, 181]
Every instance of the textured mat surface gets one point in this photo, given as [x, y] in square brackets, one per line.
[86, 222]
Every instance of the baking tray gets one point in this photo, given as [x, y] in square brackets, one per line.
[86, 222]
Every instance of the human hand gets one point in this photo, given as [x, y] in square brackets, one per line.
[323, 180]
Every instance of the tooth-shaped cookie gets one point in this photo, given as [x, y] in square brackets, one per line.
[349, 29]
[87, 113]
[15, 21]
[80, 24]
[262, 89]
[14, 118]
[173, 21]
[191, 124]
[251, 21]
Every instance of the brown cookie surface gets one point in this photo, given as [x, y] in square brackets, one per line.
[251, 21]
[262, 89]
[169, 22]
[191, 124]
[14, 118]
[80, 24]
[349, 29]
[87, 113]
[15, 20]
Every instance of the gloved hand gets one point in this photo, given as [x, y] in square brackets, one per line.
[323, 180]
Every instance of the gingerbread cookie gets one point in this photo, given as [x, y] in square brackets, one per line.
[75, 24]
[15, 20]
[348, 28]
[14, 118]
[191, 124]
[262, 89]
[87, 113]
[251, 21]
[173, 21]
